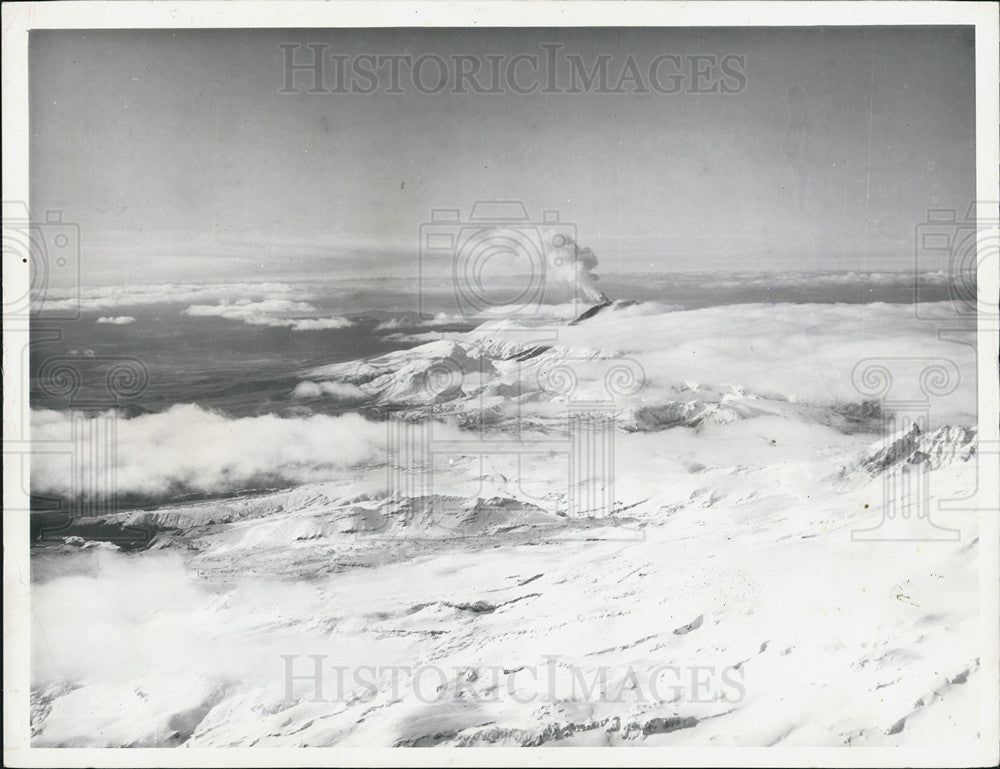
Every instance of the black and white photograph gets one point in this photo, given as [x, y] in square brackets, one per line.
[510, 376]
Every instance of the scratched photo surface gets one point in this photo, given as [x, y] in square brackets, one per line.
[503, 387]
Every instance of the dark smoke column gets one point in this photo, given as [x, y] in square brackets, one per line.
[577, 267]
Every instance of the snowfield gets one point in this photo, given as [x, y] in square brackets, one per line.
[648, 527]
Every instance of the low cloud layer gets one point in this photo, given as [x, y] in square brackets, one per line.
[341, 392]
[811, 354]
[269, 312]
[110, 297]
[440, 319]
[112, 615]
[737, 280]
[806, 352]
[120, 320]
[189, 449]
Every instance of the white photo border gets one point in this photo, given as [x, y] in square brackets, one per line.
[20, 18]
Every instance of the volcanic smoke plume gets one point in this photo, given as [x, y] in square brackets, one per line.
[576, 266]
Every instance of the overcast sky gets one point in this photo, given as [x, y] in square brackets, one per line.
[181, 161]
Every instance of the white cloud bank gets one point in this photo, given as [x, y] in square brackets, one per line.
[807, 279]
[110, 297]
[188, 448]
[269, 312]
[440, 319]
[804, 353]
[343, 392]
[120, 320]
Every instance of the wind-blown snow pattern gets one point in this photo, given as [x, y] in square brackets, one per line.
[435, 566]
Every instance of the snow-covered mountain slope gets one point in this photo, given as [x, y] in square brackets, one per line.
[910, 446]
[470, 580]
[656, 368]
[722, 573]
